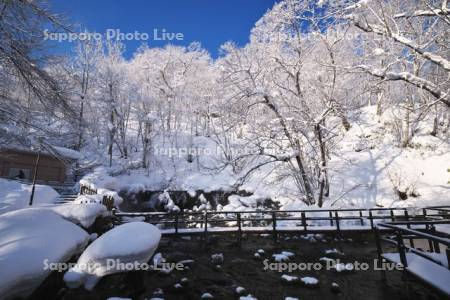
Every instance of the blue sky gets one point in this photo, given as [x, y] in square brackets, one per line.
[211, 22]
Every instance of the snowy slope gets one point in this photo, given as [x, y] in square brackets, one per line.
[368, 166]
[365, 168]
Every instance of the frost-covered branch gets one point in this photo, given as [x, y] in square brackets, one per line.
[421, 83]
[379, 30]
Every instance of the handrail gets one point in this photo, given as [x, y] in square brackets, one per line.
[402, 233]
[269, 211]
[434, 238]
[267, 219]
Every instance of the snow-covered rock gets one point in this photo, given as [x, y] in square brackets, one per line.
[341, 267]
[169, 204]
[240, 290]
[289, 278]
[113, 194]
[248, 297]
[217, 259]
[132, 243]
[309, 281]
[335, 288]
[287, 253]
[28, 239]
[283, 256]
[83, 214]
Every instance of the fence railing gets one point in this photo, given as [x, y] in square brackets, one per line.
[273, 221]
[403, 231]
[87, 190]
[108, 201]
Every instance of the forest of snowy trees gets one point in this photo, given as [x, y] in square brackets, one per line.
[284, 100]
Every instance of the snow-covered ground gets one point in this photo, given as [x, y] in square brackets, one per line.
[15, 195]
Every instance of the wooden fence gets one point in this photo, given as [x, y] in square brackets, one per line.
[108, 201]
[273, 221]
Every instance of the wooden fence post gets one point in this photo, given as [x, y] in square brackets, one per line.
[338, 226]
[411, 240]
[447, 252]
[176, 223]
[401, 249]
[436, 247]
[206, 228]
[304, 224]
[239, 228]
[371, 219]
[430, 243]
[379, 250]
[274, 226]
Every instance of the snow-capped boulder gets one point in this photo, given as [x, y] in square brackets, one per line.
[83, 214]
[132, 243]
[32, 241]
[309, 281]
[206, 296]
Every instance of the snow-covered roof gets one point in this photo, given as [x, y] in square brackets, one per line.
[55, 151]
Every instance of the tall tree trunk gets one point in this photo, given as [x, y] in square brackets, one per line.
[406, 127]
[323, 183]
[379, 103]
[80, 124]
[295, 143]
[111, 127]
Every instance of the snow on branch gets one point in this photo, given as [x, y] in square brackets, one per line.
[424, 13]
[437, 59]
[433, 89]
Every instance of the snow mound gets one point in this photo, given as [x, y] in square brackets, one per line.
[83, 214]
[28, 239]
[131, 243]
[15, 195]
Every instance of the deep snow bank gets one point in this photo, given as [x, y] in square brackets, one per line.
[29, 237]
[128, 243]
[15, 195]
